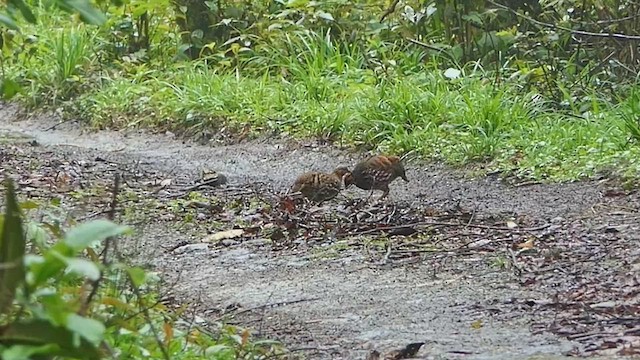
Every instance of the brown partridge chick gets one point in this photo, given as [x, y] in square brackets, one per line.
[377, 172]
[319, 187]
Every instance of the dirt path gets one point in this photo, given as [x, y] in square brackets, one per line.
[337, 300]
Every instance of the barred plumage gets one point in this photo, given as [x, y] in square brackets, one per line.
[319, 187]
[377, 172]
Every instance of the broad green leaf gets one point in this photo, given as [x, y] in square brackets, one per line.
[24, 10]
[8, 88]
[25, 352]
[137, 275]
[36, 234]
[218, 350]
[28, 205]
[41, 332]
[52, 266]
[89, 233]
[8, 22]
[83, 267]
[30, 259]
[324, 15]
[297, 3]
[12, 248]
[88, 13]
[90, 329]
[55, 307]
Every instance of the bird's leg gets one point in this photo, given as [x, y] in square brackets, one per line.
[370, 195]
[384, 194]
[373, 187]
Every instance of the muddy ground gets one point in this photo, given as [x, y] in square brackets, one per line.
[477, 268]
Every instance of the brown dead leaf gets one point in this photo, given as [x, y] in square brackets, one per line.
[527, 245]
[287, 204]
[222, 235]
[245, 337]
[168, 333]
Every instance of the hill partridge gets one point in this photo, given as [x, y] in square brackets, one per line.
[319, 187]
[377, 172]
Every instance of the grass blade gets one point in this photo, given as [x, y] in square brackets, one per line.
[12, 248]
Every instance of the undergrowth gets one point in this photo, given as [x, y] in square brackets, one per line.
[312, 85]
[66, 291]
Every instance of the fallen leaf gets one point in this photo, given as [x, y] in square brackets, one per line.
[511, 224]
[165, 182]
[227, 234]
[287, 204]
[245, 337]
[476, 324]
[168, 333]
[527, 245]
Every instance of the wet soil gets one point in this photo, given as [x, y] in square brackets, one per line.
[477, 268]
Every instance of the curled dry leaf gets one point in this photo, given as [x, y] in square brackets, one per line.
[222, 235]
[288, 204]
[527, 244]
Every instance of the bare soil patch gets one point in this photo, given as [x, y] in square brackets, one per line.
[476, 268]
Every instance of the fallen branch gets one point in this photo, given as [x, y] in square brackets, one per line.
[281, 303]
[220, 179]
[431, 47]
[59, 123]
[389, 10]
[92, 215]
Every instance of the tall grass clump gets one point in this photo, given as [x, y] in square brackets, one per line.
[70, 51]
[362, 85]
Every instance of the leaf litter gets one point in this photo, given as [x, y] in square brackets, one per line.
[587, 267]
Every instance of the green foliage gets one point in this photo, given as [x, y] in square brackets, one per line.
[458, 81]
[47, 310]
[87, 12]
[12, 248]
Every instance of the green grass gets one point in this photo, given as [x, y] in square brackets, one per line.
[309, 85]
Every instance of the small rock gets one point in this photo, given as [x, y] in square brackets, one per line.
[605, 305]
[551, 230]
[164, 193]
[191, 248]
[479, 243]
[201, 216]
[167, 217]
[257, 242]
